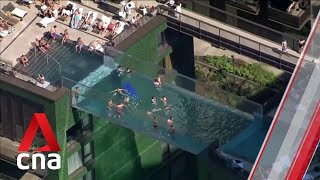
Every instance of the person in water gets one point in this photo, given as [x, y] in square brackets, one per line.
[109, 104]
[129, 71]
[153, 100]
[120, 91]
[120, 70]
[164, 100]
[126, 100]
[119, 108]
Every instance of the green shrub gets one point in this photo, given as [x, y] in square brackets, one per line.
[253, 72]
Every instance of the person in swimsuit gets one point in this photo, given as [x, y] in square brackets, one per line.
[149, 113]
[87, 23]
[153, 101]
[155, 123]
[126, 100]
[170, 121]
[120, 70]
[128, 72]
[120, 91]
[119, 108]
[156, 83]
[79, 44]
[65, 36]
[53, 33]
[76, 93]
[110, 104]
[37, 43]
[43, 43]
[41, 79]
[164, 100]
[24, 60]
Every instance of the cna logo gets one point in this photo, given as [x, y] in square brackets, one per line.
[54, 162]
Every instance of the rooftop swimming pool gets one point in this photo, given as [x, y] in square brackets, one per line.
[198, 122]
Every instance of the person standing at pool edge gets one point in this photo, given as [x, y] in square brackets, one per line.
[76, 93]
[53, 33]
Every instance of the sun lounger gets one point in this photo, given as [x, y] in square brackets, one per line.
[10, 20]
[106, 20]
[120, 29]
[46, 20]
[13, 10]
[94, 14]
[3, 33]
[74, 6]
[73, 24]
[94, 17]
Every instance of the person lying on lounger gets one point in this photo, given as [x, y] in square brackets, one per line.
[43, 43]
[42, 49]
[87, 23]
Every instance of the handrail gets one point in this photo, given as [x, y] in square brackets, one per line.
[276, 59]
[35, 53]
[54, 60]
[200, 21]
[27, 77]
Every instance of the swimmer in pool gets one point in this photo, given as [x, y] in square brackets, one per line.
[159, 80]
[118, 90]
[110, 104]
[153, 101]
[120, 70]
[170, 121]
[164, 100]
[119, 108]
[149, 113]
[171, 132]
[155, 123]
[168, 109]
[129, 71]
[156, 83]
[126, 100]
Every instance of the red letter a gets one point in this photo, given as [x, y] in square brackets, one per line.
[39, 120]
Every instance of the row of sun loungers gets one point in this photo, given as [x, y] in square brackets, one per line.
[6, 15]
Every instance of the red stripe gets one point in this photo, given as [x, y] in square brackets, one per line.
[304, 156]
[283, 102]
[302, 142]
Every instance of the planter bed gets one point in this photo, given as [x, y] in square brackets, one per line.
[250, 87]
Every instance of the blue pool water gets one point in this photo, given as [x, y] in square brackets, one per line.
[198, 122]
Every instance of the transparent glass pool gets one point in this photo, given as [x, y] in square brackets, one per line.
[198, 121]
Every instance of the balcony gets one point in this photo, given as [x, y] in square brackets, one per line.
[249, 6]
[296, 15]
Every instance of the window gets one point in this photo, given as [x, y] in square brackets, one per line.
[87, 122]
[162, 39]
[87, 152]
[74, 162]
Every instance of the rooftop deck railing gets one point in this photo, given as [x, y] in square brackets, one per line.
[230, 40]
